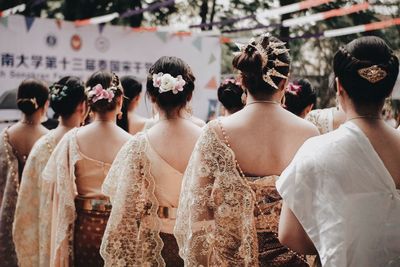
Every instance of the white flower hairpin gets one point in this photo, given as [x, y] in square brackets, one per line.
[166, 82]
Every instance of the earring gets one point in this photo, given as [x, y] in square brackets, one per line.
[189, 109]
[119, 115]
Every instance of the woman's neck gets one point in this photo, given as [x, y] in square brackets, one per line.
[71, 122]
[277, 97]
[34, 119]
[105, 117]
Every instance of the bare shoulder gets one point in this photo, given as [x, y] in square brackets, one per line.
[302, 128]
[199, 122]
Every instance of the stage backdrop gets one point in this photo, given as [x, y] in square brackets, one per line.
[49, 49]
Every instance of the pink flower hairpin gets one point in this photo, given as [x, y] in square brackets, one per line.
[294, 89]
[230, 80]
[98, 92]
[166, 82]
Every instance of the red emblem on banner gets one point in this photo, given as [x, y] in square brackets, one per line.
[76, 42]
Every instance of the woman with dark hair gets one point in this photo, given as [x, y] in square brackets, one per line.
[68, 99]
[341, 192]
[229, 208]
[15, 145]
[300, 97]
[74, 174]
[144, 181]
[129, 120]
[232, 96]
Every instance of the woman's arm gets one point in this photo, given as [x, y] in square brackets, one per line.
[292, 234]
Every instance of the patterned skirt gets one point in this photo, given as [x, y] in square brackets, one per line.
[274, 254]
[170, 251]
[88, 233]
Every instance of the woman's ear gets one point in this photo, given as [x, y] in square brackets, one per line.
[339, 88]
[283, 84]
[189, 97]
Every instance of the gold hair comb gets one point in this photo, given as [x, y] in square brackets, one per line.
[372, 74]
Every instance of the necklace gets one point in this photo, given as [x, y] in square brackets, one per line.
[371, 117]
[28, 122]
[107, 121]
[263, 102]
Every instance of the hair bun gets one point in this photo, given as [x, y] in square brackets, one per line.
[27, 105]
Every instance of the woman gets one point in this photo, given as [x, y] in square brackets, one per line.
[75, 173]
[130, 121]
[300, 97]
[341, 192]
[144, 181]
[229, 208]
[232, 96]
[15, 145]
[68, 100]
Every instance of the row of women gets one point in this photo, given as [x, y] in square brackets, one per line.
[259, 187]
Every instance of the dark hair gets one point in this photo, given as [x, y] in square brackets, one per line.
[66, 95]
[361, 66]
[132, 88]
[107, 80]
[263, 65]
[230, 95]
[168, 101]
[299, 95]
[32, 94]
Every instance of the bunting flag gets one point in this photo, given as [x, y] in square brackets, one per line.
[162, 35]
[97, 20]
[262, 16]
[212, 84]
[197, 43]
[4, 21]
[362, 28]
[212, 59]
[101, 27]
[13, 10]
[29, 22]
[325, 15]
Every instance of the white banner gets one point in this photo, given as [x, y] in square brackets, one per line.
[49, 49]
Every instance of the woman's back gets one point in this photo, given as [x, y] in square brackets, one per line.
[265, 137]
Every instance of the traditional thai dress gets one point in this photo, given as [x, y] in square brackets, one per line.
[28, 233]
[322, 119]
[144, 191]
[345, 199]
[9, 185]
[226, 218]
[72, 183]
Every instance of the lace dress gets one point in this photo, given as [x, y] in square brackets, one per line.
[225, 219]
[28, 233]
[144, 191]
[322, 119]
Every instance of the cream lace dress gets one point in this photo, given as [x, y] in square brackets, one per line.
[218, 222]
[29, 235]
[322, 119]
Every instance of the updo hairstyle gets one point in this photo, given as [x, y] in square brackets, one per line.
[170, 101]
[231, 95]
[32, 94]
[263, 64]
[299, 94]
[108, 81]
[367, 69]
[66, 95]
[132, 88]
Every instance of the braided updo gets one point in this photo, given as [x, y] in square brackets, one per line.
[258, 59]
[66, 95]
[367, 69]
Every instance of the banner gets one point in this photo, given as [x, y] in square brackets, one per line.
[43, 49]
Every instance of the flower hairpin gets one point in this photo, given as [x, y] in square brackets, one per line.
[294, 89]
[165, 82]
[230, 80]
[98, 92]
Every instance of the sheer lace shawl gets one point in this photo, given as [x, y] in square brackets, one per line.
[215, 224]
[59, 192]
[132, 234]
[9, 182]
[322, 119]
[26, 228]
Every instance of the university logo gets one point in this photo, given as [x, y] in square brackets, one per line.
[102, 44]
[51, 40]
[76, 42]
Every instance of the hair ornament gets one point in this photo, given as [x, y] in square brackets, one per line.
[166, 82]
[32, 100]
[58, 91]
[273, 72]
[231, 80]
[244, 98]
[278, 51]
[267, 78]
[97, 93]
[293, 89]
[278, 63]
[372, 74]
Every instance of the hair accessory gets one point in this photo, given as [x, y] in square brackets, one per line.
[276, 44]
[97, 93]
[293, 89]
[165, 82]
[226, 81]
[279, 63]
[372, 74]
[32, 100]
[244, 98]
[267, 79]
[58, 91]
